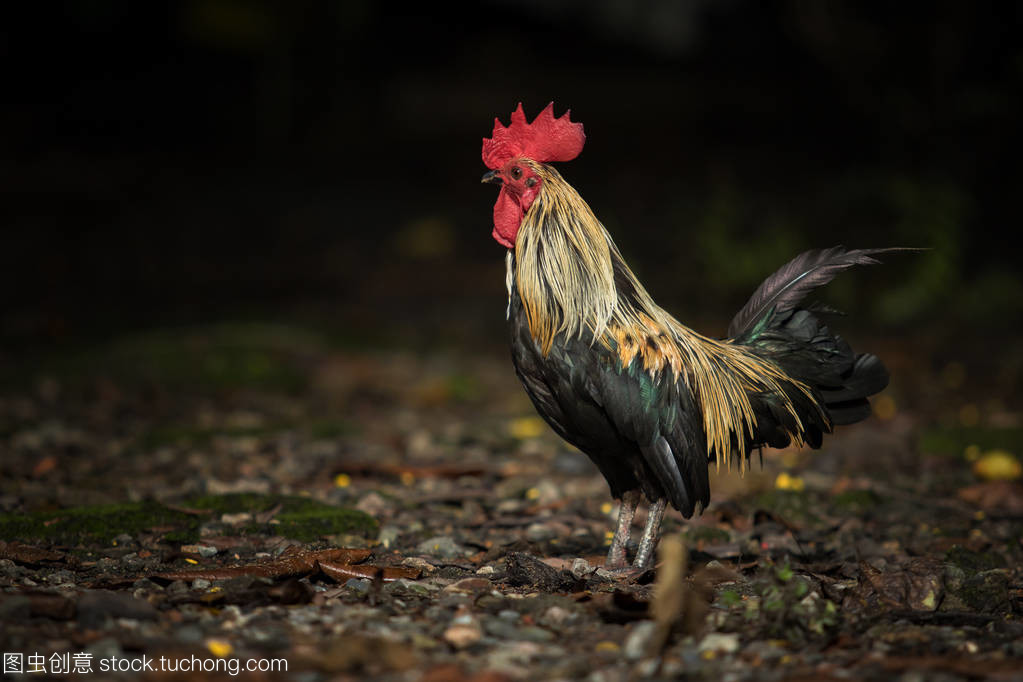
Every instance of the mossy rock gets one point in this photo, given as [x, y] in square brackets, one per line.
[987, 592]
[953, 441]
[796, 505]
[856, 500]
[300, 518]
[707, 534]
[974, 562]
[99, 523]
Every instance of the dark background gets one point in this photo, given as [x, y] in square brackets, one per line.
[318, 163]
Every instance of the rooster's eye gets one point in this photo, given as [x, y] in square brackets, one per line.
[516, 173]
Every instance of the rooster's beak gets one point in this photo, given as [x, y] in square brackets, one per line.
[492, 177]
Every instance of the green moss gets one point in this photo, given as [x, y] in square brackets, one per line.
[987, 592]
[329, 428]
[789, 504]
[300, 518]
[707, 534]
[954, 441]
[974, 562]
[855, 500]
[208, 358]
[99, 524]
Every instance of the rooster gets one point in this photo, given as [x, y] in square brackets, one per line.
[650, 401]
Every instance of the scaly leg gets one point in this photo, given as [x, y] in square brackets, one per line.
[645, 554]
[616, 553]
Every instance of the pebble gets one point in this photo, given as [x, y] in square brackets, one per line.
[719, 641]
[461, 636]
[469, 585]
[538, 532]
[581, 568]
[388, 535]
[442, 546]
[236, 519]
[373, 504]
[557, 615]
[418, 562]
[205, 551]
[401, 586]
[359, 585]
[201, 584]
[486, 570]
[188, 633]
[636, 642]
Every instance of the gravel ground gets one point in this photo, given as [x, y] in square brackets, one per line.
[225, 497]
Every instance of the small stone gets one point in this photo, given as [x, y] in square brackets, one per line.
[442, 546]
[486, 570]
[358, 585]
[236, 519]
[388, 535]
[401, 587]
[638, 640]
[418, 562]
[533, 633]
[538, 532]
[581, 568]
[509, 615]
[469, 585]
[188, 634]
[123, 539]
[205, 551]
[722, 642]
[461, 636]
[502, 629]
[557, 615]
[373, 504]
[201, 584]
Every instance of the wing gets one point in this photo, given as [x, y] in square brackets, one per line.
[658, 414]
[642, 430]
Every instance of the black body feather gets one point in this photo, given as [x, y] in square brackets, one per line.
[644, 430]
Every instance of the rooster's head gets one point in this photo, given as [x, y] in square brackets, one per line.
[515, 155]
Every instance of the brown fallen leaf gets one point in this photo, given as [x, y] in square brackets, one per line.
[919, 585]
[297, 563]
[440, 470]
[44, 466]
[341, 572]
[27, 554]
[996, 497]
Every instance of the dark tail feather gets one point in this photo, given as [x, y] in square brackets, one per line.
[848, 403]
[806, 350]
[784, 289]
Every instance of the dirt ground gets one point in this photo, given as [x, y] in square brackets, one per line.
[256, 495]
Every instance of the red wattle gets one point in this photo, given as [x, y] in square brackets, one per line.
[507, 218]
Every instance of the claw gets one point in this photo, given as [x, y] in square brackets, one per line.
[647, 543]
[616, 553]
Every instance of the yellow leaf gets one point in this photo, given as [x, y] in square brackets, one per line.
[342, 480]
[998, 465]
[526, 427]
[219, 647]
[786, 482]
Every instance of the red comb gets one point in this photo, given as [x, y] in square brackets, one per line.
[545, 139]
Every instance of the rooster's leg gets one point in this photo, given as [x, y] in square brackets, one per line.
[616, 553]
[645, 554]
